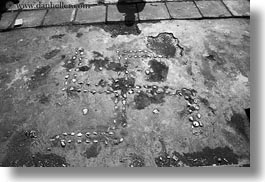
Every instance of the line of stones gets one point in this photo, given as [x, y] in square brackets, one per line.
[109, 137]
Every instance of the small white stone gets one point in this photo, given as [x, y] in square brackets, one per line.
[156, 111]
[199, 116]
[79, 134]
[85, 111]
[196, 124]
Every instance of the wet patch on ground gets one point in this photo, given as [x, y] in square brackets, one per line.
[238, 122]
[165, 44]
[39, 77]
[143, 100]
[123, 84]
[93, 151]
[159, 71]
[207, 157]
[120, 29]
[51, 54]
[99, 61]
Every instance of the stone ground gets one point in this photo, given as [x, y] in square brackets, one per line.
[169, 93]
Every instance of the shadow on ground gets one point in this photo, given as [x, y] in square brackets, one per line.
[129, 9]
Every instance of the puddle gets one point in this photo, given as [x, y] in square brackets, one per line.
[165, 44]
[160, 71]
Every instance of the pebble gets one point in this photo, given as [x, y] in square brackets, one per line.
[79, 141]
[121, 140]
[67, 76]
[72, 134]
[85, 111]
[88, 134]
[63, 144]
[87, 141]
[95, 141]
[95, 133]
[199, 116]
[156, 111]
[64, 134]
[69, 141]
[191, 119]
[79, 134]
[196, 124]
[147, 72]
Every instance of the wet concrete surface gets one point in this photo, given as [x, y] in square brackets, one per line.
[171, 95]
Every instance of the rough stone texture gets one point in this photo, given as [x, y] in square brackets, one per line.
[114, 14]
[94, 14]
[7, 19]
[183, 10]
[215, 62]
[154, 11]
[58, 16]
[32, 18]
[212, 9]
[238, 7]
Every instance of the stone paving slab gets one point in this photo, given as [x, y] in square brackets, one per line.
[183, 10]
[177, 9]
[238, 7]
[32, 18]
[118, 13]
[154, 11]
[58, 16]
[7, 19]
[94, 14]
[212, 9]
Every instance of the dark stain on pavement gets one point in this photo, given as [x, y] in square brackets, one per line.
[239, 123]
[120, 29]
[206, 157]
[39, 77]
[58, 36]
[123, 84]
[69, 64]
[51, 54]
[164, 44]
[18, 153]
[93, 151]
[160, 71]
[99, 61]
[143, 100]
[136, 161]
[48, 160]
